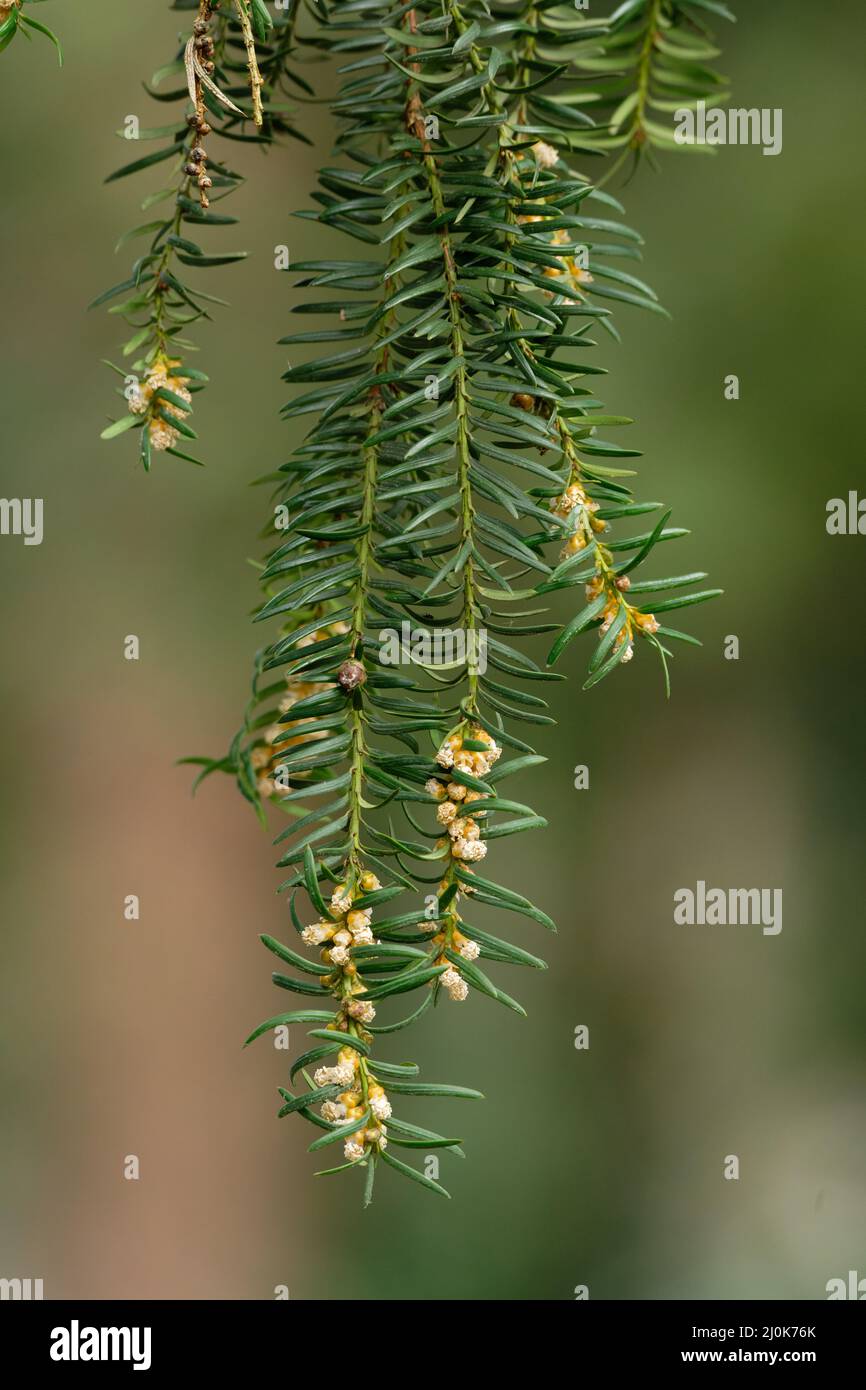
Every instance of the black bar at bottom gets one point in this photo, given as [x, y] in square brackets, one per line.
[154, 1338]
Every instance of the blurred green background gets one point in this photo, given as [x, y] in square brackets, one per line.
[601, 1167]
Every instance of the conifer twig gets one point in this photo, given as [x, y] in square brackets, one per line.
[252, 61]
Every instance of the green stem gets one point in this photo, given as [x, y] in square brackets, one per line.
[358, 748]
[469, 613]
[644, 71]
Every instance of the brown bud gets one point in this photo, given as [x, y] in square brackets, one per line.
[623, 583]
[522, 401]
[198, 154]
[204, 181]
[190, 169]
[350, 675]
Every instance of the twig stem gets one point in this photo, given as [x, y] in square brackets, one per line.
[256, 83]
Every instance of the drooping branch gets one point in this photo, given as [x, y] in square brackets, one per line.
[158, 385]
[454, 473]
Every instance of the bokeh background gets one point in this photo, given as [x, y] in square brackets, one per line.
[601, 1167]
